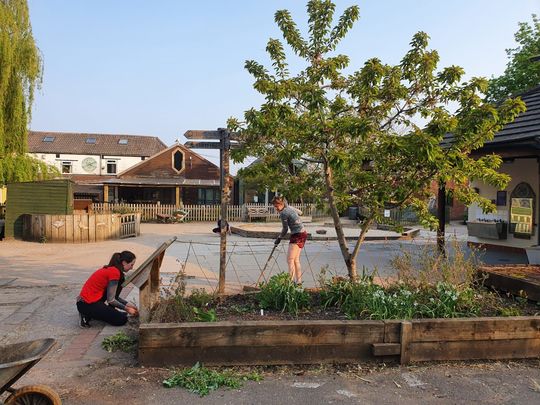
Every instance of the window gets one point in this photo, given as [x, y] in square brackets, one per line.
[66, 167]
[123, 142]
[143, 157]
[111, 166]
[58, 155]
[208, 196]
[178, 160]
[91, 140]
[48, 139]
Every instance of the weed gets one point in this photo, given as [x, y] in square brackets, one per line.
[200, 298]
[119, 341]
[201, 380]
[282, 294]
[174, 306]
[509, 311]
[426, 267]
[202, 315]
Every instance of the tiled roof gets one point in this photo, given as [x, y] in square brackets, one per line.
[524, 128]
[526, 125]
[94, 144]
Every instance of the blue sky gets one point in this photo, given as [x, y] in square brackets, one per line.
[162, 67]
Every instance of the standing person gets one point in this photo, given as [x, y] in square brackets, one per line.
[100, 295]
[290, 218]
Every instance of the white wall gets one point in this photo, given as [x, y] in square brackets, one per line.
[520, 170]
[122, 162]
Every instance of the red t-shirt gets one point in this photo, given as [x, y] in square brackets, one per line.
[96, 286]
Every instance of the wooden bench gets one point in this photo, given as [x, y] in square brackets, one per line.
[258, 212]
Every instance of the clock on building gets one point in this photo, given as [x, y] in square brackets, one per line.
[89, 164]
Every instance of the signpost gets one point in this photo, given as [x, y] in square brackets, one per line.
[224, 145]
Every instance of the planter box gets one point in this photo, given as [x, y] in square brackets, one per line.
[313, 342]
[533, 254]
[488, 230]
[513, 278]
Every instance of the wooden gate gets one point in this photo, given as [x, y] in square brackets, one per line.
[129, 225]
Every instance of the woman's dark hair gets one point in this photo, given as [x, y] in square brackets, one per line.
[118, 258]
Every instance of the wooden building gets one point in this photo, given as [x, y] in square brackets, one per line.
[176, 175]
[515, 223]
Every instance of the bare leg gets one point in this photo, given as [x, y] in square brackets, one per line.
[293, 261]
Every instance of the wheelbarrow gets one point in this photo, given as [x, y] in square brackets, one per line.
[15, 360]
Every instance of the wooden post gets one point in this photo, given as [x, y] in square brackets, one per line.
[177, 199]
[441, 215]
[105, 193]
[225, 144]
[406, 334]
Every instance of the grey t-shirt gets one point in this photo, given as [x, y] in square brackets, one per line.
[290, 218]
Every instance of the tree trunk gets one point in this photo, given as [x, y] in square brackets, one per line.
[350, 262]
[441, 215]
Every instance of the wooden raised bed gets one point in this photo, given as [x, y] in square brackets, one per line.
[514, 278]
[311, 342]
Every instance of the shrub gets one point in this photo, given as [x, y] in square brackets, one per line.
[282, 294]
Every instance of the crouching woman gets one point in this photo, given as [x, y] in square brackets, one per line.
[100, 295]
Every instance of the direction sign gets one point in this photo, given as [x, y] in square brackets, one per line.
[196, 134]
[206, 145]
[202, 145]
[210, 135]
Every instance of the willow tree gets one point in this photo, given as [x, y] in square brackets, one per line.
[20, 73]
[376, 137]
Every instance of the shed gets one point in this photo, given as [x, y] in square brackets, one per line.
[36, 197]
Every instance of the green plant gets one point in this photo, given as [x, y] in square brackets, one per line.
[365, 299]
[202, 315]
[201, 380]
[123, 210]
[200, 298]
[119, 341]
[509, 311]
[281, 293]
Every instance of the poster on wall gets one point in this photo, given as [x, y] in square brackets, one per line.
[521, 215]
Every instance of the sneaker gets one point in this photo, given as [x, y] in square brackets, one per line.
[84, 322]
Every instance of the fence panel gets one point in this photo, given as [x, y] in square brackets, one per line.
[200, 213]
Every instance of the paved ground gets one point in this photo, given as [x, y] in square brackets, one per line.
[39, 283]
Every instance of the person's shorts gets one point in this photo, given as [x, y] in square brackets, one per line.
[299, 239]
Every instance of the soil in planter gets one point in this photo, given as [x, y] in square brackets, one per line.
[246, 307]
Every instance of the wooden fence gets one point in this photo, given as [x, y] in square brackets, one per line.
[80, 228]
[204, 213]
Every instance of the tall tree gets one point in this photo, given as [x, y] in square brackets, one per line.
[521, 72]
[20, 73]
[373, 138]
